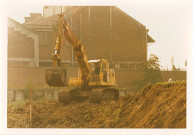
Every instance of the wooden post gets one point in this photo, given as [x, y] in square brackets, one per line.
[45, 96]
[30, 107]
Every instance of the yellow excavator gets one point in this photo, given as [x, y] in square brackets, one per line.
[96, 80]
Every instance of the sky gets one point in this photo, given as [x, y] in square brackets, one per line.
[169, 22]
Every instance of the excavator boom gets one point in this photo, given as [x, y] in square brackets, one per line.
[56, 77]
[78, 49]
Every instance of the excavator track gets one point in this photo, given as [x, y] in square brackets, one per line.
[64, 97]
[94, 95]
[67, 96]
[55, 76]
[98, 95]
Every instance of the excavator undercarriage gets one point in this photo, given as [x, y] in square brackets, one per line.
[94, 95]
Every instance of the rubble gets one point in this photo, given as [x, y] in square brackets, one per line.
[162, 105]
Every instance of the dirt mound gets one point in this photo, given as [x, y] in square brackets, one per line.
[156, 106]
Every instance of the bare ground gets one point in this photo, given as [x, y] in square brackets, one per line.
[156, 106]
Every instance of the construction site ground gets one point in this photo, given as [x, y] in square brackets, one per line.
[162, 105]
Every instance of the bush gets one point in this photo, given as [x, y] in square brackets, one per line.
[152, 73]
[29, 84]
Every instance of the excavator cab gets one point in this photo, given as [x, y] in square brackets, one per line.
[100, 73]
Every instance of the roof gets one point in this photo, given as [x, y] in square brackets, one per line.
[150, 39]
[40, 20]
[19, 27]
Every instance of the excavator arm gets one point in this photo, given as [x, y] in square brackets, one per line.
[64, 30]
[78, 48]
[56, 57]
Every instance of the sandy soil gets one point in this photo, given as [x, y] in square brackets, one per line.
[156, 106]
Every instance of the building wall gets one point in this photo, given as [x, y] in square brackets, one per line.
[23, 47]
[15, 95]
[93, 25]
[174, 75]
[47, 40]
[10, 95]
[129, 38]
[19, 95]
[19, 77]
[128, 42]
[19, 46]
[125, 77]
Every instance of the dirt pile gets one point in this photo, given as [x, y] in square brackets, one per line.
[156, 106]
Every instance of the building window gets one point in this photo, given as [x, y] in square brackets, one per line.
[117, 65]
[10, 95]
[45, 37]
[124, 66]
[45, 64]
[19, 95]
[19, 63]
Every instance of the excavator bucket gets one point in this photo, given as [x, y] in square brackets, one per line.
[55, 76]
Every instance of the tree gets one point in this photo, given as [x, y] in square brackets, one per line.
[175, 69]
[152, 70]
[152, 73]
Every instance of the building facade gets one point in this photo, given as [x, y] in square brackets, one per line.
[15, 38]
[106, 32]
[23, 45]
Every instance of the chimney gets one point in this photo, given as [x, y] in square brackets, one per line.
[32, 16]
[27, 19]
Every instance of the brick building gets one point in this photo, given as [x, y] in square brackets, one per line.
[23, 46]
[106, 31]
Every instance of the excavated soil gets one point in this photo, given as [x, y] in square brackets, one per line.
[161, 105]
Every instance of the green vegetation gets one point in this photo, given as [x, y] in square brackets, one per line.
[27, 101]
[27, 88]
[152, 73]
[175, 69]
[37, 94]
